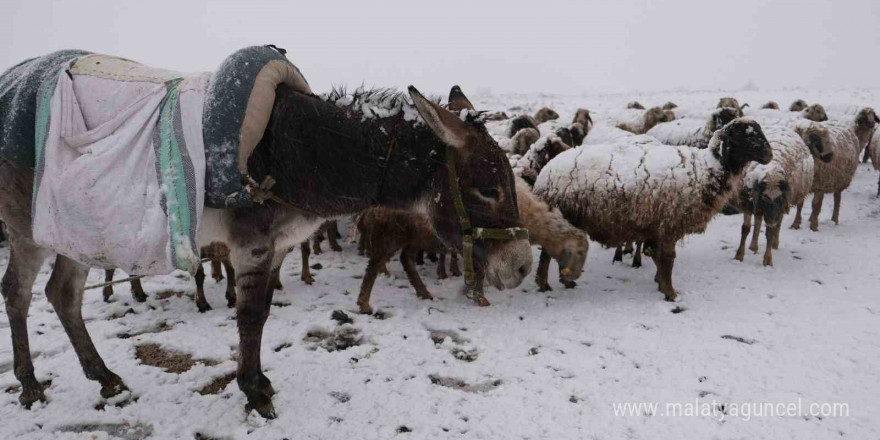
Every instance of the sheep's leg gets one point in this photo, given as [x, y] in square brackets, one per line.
[453, 265]
[201, 301]
[432, 256]
[667, 260]
[867, 153]
[362, 246]
[108, 290]
[835, 217]
[628, 249]
[618, 255]
[216, 271]
[817, 208]
[25, 259]
[253, 304]
[230, 283]
[637, 257]
[137, 291]
[332, 235]
[768, 252]
[373, 266]
[441, 267]
[541, 275]
[316, 243]
[420, 258]
[407, 255]
[306, 275]
[745, 229]
[276, 279]
[65, 292]
[757, 234]
[776, 235]
[878, 187]
[796, 224]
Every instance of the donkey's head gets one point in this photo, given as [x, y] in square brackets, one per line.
[486, 186]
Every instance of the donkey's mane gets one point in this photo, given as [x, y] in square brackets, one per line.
[386, 102]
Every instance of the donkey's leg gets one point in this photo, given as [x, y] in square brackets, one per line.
[817, 208]
[441, 267]
[230, 283]
[332, 235]
[108, 290]
[201, 301]
[65, 292]
[25, 259]
[796, 224]
[407, 255]
[541, 275]
[756, 234]
[745, 229]
[137, 291]
[254, 300]
[306, 275]
[835, 216]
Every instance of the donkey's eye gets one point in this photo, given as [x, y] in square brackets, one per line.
[489, 193]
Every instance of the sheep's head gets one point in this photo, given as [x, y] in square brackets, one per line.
[815, 113]
[578, 134]
[520, 122]
[524, 139]
[818, 140]
[654, 116]
[582, 116]
[867, 119]
[545, 114]
[572, 256]
[740, 142]
[635, 105]
[669, 105]
[771, 196]
[798, 105]
[720, 118]
[496, 116]
[771, 105]
[565, 135]
[670, 115]
[728, 102]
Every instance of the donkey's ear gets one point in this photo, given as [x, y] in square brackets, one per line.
[457, 100]
[447, 126]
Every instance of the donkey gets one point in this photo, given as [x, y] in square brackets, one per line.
[329, 160]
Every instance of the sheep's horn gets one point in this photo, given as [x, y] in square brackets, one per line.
[743, 106]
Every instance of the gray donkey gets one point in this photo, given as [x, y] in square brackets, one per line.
[329, 160]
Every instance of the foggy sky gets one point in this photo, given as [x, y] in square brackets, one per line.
[502, 46]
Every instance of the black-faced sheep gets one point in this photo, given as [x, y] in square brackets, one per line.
[578, 134]
[692, 132]
[640, 121]
[639, 190]
[848, 137]
[798, 105]
[636, 105]
[769, 191]
[545, 114]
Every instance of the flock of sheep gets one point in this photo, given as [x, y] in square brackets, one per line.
[638, 180]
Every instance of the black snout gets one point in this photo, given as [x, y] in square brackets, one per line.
[768, 154]
[772, 210]
[827, 157]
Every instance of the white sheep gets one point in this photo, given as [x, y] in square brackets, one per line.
[769, 191]
[692, 132]
[639, 190]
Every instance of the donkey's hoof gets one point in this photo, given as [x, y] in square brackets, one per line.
[112, 387]
[31, 395]
[203, 307]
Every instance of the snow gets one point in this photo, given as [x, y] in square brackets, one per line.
[548, 365]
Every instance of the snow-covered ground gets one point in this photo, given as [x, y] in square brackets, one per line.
[532, 366]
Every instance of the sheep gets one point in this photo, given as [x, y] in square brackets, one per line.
[873, 149]
[545, 114]
[521, 122]
[797, 106]
[771, 105]
[848, 137]
[384, 231]
[2, 231]
[769, 191]
[578, 134]
[496, 116]
[670, 115]
[815, 113]
[604, 134]
[670, 105]
[564, 134]
[543, 151]
[330, 231]
[731, 103]
[692, 132]
[639, 122]
[635, 105]
[582, 116]
[521, 141]
[640, 190]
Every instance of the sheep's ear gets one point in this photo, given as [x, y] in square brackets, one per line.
[876, 118]
[457, 100]
[447, 126]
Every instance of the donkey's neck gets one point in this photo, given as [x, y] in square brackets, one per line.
[332, 160]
